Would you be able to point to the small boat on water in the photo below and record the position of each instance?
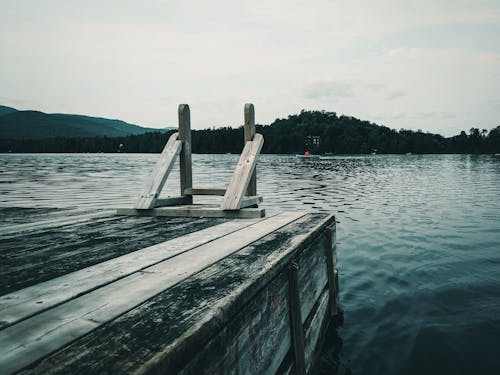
(311, 157)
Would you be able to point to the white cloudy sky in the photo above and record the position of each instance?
(417, 64)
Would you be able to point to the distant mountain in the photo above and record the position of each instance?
(16, 124)
(6, 110)
(291, 135)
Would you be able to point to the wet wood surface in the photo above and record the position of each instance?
(21, 304)
(229, 309)
(51, 252)
(29, 339)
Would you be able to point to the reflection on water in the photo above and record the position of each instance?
(418, 240)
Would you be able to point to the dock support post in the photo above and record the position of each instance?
(330, 269)
(249, 134)
(296, 320)
(186, 171)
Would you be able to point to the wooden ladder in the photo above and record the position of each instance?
(240, 199)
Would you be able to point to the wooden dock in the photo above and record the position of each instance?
(240, 199)
(138, 293)
(251, 296)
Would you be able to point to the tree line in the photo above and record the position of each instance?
(337, 135)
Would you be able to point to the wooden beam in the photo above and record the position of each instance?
(296, 320)
(336, 278)
(330, 269)
(31, 339)
(195, 211)
(315, 332)
(173, 201)
(217, 316)
(249, 132)
(242, 174)
(204, 191)
(23, 303)
(251, 201)
(152, 188)
(19, 229)
(186, 171)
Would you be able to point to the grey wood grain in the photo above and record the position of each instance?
(39, 335)
(153, 186)
(45, 224)
(313, 276)
(314, 330)
(296, 320)
(249, 133)
(185, 162)
(251, 201)
(57, 251)
(173, 201)
(241, 177)
(198, 318)
(205, 191)
(26, 302)
(195, 211)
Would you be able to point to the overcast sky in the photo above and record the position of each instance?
(428, 64)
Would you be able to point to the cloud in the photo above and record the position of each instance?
(373, 86)
(19, 103)
(139, 62)
(398, 116)
(414, 116)
(445, 55)
(425, 115)
(389, 116)
(450, 115)
(395, 94)
(339, 89)
(424, 53)
(328, 89)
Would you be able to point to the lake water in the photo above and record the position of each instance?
(418, 240)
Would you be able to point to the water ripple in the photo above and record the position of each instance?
(418, 240)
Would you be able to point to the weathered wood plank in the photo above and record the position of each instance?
(251, 201)
(330, 264)
(33, 338)
(312, 282)
(167, 331)
(249, 133)
(296, 321)
(44, 224)
(242, 174)
(186, 173)
(196, 211)
(316, 326)
(45, 255)
(205, 191)
(173, 201)
(151, 190)
(312, 275)
(255, 341)
(26, 302)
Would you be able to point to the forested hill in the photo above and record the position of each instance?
(337, 135)
(347, 135)
(6, 110)
(16, 124)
